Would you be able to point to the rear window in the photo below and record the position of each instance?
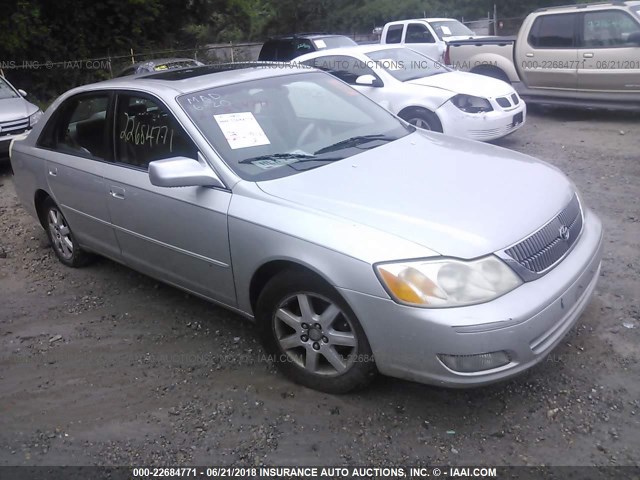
(333, 42)
(553, 31)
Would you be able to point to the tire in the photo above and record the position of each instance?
(422, 118)
(330, 354)
(493, 73)
(61, 238)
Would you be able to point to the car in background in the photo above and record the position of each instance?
(356, 242)
(424, 92)
(17, 115)
(288, 47)
(159, 65)
(428, 36)
(585, 55)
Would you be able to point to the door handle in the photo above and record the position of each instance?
(116, 192)
(587, 55)
(529, 54)
(53, 171)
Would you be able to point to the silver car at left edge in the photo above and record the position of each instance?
(17, 116)
(358, 243)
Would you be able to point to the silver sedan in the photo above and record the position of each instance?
(357, 243)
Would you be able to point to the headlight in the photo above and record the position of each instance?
(471, 104)
(33, 119)
(447, 282)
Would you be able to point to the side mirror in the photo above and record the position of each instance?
(22, 92)
(182, 172)
(368, 81)
(634, 38)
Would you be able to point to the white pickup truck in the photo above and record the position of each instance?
(582, 55)
(428, 36)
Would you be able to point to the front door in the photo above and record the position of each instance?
(610, 52)
(178, 235)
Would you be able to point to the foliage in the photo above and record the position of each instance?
(43, 30)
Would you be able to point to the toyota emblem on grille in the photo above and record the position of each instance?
(565, 233)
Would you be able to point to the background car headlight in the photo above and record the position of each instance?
(33, 119)
(471, 104)
(447, 282)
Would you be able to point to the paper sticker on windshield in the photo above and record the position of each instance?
(320, 44)
(241, 130)
(445, 30)
(273, 163)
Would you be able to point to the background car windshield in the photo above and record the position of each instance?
(333, 42)
(6, 91)
(405, 64)
(275, 127)
(451, 28)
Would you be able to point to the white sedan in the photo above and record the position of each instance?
(424, 92)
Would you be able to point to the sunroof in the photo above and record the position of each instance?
(184, 73)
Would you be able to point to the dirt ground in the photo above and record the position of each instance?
(103, 366)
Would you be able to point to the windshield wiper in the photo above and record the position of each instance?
(282, 156)
(354, 142)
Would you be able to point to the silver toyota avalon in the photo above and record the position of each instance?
(356, 242)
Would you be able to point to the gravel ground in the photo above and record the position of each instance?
(103, 366)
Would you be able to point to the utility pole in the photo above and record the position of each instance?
(495, 19)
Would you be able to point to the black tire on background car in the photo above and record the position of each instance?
(422, 118)
(62, 241)
(312, 335)
(493, 72)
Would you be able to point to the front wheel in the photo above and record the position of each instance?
(422, 118)
(312, 335)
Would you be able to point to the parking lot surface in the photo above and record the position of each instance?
(103, 366)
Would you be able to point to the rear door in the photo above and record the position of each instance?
(549, 56)
(609, 52)
(75, 145)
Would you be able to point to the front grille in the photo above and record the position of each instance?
(503, 102)
(551, 243)
(515, 99)
(14, 127)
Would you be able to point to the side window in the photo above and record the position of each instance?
(418, 33)
(347, 69)
(394, 34)
(80, 128)
(609, 28)
(553, 31)
(146, 131)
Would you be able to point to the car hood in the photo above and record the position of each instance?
(466, 83)
(15, 109)
(456, 197)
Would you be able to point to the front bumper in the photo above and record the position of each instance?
(5, 143)
(527, 322)
(481, 126)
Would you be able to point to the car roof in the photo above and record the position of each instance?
(587, 6)
(194, 79)
(311, 36)
(355, 50)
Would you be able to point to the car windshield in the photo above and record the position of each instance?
(280, 126)
(451, 28)
(333, 42)
(6, 91)
(405, 64)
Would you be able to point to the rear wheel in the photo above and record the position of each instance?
(422, 118)
(312, 335)
(64, 245)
